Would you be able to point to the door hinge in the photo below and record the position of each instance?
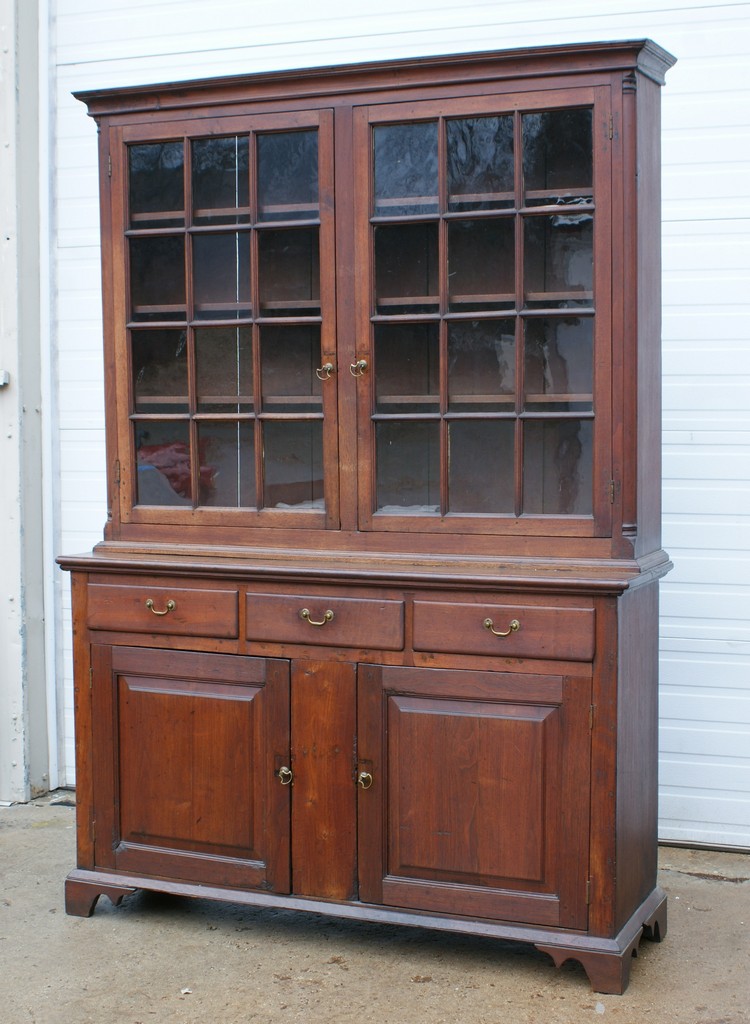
(109, 163)
(91, 679)
(588, 892)
(611, 127)
(612, 489)
(117, 471)
(93, 830)
(591, 717)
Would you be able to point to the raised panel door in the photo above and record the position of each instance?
(479, 795)
(188, 750)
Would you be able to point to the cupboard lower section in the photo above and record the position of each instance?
(473, 799)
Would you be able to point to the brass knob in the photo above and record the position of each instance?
(514, 626)
(358, 369)
(324, 372)
(305, 614)
(285, 775)
(364, 779)
(170, 607)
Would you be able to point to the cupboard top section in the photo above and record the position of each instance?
(385, 78)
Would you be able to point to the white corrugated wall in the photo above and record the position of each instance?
(705, 669)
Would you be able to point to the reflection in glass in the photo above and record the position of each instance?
(408, 466)
(293, 460)
(288, 176)
(157, 278)
(156, 186)
(160, 371)
(406, 268)
(558, 366)
(289, 357)
(289, 272)
(406, 169)
(221, 276)
(481, 258)
(480, 471)
(481, 365)
(407, 368)
(557, 467)
(221, 187)
(227, 464)
(224, 369)
(558, 260)
(480, 163)
(163, 459)
(557, 155)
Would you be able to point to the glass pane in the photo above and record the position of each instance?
(157, 278)
(288, 176)
(224, 369)
(407, 368)
(406, 268)
(406, 169)
(157, 190)
(227, 464)
(558, 364)
(558, 261)
(289, 270)
(163, 456)
(481, 261)
(160, 371)
(480, 469)
(221, 276)
(557, 156)
(481, 365)
(480, 163)
(221, 186)
(289, 358)
(557, 467)
(293, 460)
(408, 467)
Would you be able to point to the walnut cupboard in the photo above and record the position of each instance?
(372, 628)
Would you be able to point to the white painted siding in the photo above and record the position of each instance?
(705, 673)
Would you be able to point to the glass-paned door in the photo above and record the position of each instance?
(485, 332)
(228, 317)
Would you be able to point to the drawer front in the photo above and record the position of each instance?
(521, 631)
(164, 609)
(326, 619)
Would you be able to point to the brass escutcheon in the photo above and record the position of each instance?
(358, 369)
(285, 775)
(364, 779)
(170, 607)
(515, 625)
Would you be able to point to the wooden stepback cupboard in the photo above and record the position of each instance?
(372, 631)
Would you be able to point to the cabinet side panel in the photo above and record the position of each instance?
(649, 317)
(84, 732)
(637, 752)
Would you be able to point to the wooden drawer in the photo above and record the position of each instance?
(164, 609)
(563, 633)
(326, 619)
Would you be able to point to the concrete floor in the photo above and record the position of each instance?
(165, 960)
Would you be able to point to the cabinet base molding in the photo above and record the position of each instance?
(606, 961)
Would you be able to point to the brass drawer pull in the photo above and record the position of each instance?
(324, 372)
(358, 369)
(285, 775)
(305, 614)
(170, 607)
(364, 779)
(515, 625)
